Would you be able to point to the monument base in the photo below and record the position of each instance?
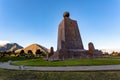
(74, 54)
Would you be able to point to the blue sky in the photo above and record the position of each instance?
(36, 21)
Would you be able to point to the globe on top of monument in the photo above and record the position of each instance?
(69, 44)
(66, 14)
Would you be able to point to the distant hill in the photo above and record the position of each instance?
(9, 47)
(33, 48)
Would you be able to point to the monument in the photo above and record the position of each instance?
(69, 45)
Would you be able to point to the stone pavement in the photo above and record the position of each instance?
(6, 65)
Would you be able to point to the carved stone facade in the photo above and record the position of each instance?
(70, 44)
(68, 35)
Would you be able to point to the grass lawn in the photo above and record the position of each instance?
(79, 62)
(38, 75)
(14, 58)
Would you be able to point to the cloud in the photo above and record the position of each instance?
(2, 43)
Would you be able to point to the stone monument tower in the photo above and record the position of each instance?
(69, 38)
(68, 34)
(69, 45)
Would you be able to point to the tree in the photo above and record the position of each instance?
(38, 52)
(22, 53)
(1, 54)
(30, 53)
(15, 54)
(9, 53)
(43, 54)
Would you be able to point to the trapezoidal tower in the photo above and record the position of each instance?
(69, 39)
(68, 34)
(69, 45)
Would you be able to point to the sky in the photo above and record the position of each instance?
(36, 21)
